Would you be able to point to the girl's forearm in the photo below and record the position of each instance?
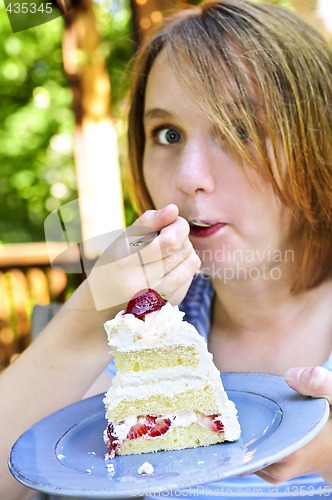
(54, 371)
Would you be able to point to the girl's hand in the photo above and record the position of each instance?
(167, 264)
(170, 261)
(316, 456)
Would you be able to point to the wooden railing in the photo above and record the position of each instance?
(26, 279)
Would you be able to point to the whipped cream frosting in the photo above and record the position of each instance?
(162, 328)
(127, 333)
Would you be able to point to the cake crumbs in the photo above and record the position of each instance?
(145, 468)
(110, 467)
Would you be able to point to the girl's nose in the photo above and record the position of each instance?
(195, 169)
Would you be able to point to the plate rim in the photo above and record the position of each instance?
(250, 385)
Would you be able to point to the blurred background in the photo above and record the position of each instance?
(63, 87)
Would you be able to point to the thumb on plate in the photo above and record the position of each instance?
(313, 381)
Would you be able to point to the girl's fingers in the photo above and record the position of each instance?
(175, 297)
(175, 283)
(173, 270)
(170, 242)
(158, 219)
(174, 260)
(313, 381)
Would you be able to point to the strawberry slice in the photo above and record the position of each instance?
(148, 301)
(211, 422)
(140, 429)
(149, 426)
(161, 427)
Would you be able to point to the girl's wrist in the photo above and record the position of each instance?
(82, 301)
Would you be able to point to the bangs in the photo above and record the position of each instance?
(222, 79)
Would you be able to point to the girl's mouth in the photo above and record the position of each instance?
(201, 229)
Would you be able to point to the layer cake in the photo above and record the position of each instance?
(167, 393)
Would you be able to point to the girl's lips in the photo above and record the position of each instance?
(200, 231)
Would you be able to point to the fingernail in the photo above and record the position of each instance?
(318, 377)
(293, 375)
(162, 211)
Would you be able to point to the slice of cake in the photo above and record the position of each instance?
(167, 393)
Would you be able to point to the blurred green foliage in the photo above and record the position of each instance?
(37, 121)
(36, 124)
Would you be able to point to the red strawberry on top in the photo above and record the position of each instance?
(147, 301)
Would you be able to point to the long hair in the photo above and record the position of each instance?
(258, 72)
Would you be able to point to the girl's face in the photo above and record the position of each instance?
(238, 228)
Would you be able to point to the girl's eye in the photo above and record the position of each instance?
(167, 136)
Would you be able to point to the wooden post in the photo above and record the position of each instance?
(96, 153)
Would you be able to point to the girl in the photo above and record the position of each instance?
(231, 120)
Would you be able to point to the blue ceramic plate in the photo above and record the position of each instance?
(63, 454)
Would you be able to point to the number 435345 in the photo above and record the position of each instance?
(29, 8)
